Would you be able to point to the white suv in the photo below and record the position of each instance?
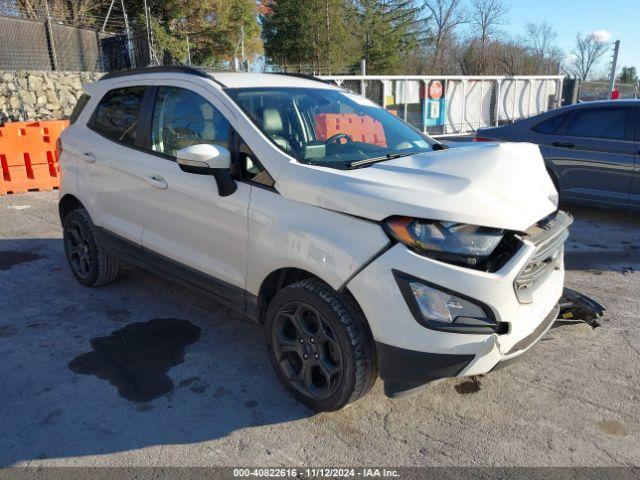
(362, 246)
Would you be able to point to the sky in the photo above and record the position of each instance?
(615, 19)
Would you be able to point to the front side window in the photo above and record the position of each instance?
(182, 118)
(117, 114)
(608, 123)
(329, 127)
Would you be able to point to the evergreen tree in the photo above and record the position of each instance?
(388, 30)
(310, 35)
(215, 28)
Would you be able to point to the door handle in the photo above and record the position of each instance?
(563, 144)
(89, 157)
(157, 181)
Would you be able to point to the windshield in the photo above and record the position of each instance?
(329, 127)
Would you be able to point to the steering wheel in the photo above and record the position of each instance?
(336, 137)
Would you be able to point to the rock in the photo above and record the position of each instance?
(14, 102)
(41, 95)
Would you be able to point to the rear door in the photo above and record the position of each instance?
(593, 153)
(634, 194)
(111, 180)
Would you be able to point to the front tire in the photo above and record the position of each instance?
(319, 345)
(85, 251)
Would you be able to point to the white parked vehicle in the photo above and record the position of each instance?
(364, 247)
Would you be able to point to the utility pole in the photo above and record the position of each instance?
(614, 64)
(188, 50)
(242, 45)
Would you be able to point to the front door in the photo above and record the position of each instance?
(594, 153)
(186, 220)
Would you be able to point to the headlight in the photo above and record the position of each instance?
(448, 241)
(440, 309)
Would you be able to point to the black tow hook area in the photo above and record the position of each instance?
(574, 306)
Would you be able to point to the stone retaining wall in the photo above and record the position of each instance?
(31, 95)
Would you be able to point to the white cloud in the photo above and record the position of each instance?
(602, 35)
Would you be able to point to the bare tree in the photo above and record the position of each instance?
(486, 16)
(540, 43)
(540, 38)
(445, 16)
(588, 50)
(86, 13)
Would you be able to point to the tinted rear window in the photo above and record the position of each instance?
(116, 115)
(77, 110)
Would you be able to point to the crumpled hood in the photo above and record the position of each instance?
(502, 185)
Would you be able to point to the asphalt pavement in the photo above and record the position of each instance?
(210, 397)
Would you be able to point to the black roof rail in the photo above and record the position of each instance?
(304, 75)
(155, 69)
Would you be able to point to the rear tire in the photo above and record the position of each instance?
(85, 251)
(319, 345)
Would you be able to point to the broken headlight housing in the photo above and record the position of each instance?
(457, 243)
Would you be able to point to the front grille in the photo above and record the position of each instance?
(548, 236)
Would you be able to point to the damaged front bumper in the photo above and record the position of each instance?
(407, 371)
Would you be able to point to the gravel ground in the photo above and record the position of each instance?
(573, 400)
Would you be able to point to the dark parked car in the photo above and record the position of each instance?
(592, 150)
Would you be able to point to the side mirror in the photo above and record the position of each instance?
(206, 159)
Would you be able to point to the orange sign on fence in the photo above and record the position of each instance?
(28, 158)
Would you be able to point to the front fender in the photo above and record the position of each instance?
(288, 234)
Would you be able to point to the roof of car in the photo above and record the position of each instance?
(248, 80)
(228, 79)
(601, 103)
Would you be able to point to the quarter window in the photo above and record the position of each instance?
(182, 118)
(117, 114)
(551, 125)
(609, 123)
(77, 110)
(251, 168)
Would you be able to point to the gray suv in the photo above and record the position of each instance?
(592, 150)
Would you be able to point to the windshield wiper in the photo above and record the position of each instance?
(369, 161)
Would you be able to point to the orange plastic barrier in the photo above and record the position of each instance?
(28, 157)
(361, 128)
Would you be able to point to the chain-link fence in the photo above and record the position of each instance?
(107, 35)
(600, 91)
(48, 35)
(457, 105)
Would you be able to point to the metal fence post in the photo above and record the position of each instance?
(127, 31)
(481, 103)
(515, 98)
(464, 105)
(52, 45)
(498, 93)
(404, 95)
(425, 105)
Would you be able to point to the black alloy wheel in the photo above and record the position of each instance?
(320, 345)
(77, 246)
(307, 350)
